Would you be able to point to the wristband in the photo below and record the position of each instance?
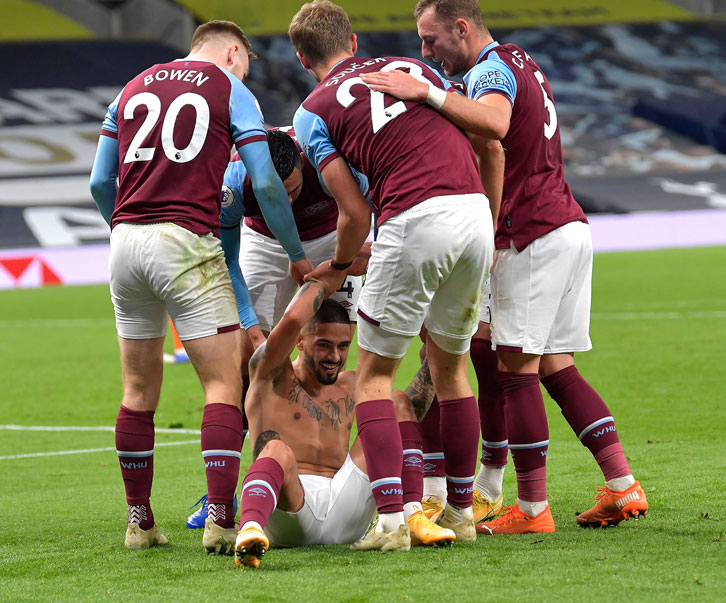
(339, 266)
(436, 96)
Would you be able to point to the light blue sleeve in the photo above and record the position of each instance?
(110, 121)
(233, 206)
(230, 245)
(445, 84)
(488, 76)
(272, 197)
(314, 138)
(245, 116)
(104, 174)
(360, 179)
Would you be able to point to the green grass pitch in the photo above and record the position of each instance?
(658, 329)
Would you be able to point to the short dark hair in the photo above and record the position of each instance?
(216, 28)
(284, 152)
(451, 10)
(319, 30)
(330, 312)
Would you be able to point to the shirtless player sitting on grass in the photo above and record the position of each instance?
(306, 486)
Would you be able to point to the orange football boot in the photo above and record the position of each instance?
(250, 547)
(614, 506)
(514, 521)
(432, 507)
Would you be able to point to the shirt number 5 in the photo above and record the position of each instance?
(551, 127)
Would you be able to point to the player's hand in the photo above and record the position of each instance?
(327, 276)
(397, 83)
(360, 262)
(423, 334)
(256, 336)
(299, 269)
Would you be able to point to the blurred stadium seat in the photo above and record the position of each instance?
(26, 21)
(618, 69)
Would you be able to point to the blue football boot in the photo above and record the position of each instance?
(196, 520)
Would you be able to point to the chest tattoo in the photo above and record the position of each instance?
(330, 412)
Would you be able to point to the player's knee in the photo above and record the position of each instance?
(281, 452)
(274, 447)
(261, 442)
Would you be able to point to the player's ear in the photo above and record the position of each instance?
(299, 342)
(461, 27)
(353, 43)
(231, 54)
(303, 61)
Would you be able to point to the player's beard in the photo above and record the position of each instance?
(324, 377)
(454, 67)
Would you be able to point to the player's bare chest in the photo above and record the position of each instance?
(333, 410)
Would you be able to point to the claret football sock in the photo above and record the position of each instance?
(260, 491)
(221, 449)
(528, 433)
(412, 470)
(383, 450)
(590, 419)
(135, 450)
(459, 436)
(434, 473)
(432, 449)
(491, 404)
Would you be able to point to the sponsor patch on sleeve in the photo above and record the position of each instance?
(492, 79)
(227, 196)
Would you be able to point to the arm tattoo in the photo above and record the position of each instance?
(258, 356)
(421, 391)
(261, 442)
(276, 377)
(319, 299)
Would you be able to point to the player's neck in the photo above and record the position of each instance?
(321, 70)
(306, 377)
(201, 58)
(477, 45)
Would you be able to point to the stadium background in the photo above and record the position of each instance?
(640, 89)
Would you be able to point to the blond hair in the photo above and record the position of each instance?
(221, 29)
(451, 10)
(319, 30)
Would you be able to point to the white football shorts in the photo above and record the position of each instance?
(541, 295)
(485, 313)
(161, 270)
(428, 266)
(266, 271)
(337, 510)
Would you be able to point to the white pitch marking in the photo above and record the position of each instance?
(657, 315)
(97, 322)
(60, 322)
(65, 452)
(89, 428)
